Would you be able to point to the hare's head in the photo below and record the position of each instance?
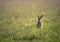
(39, 17)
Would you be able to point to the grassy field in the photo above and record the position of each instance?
(18, 22)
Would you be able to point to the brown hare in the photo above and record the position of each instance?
(39, 22)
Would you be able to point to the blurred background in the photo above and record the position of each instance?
(18, 19)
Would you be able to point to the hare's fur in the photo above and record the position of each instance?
(39, 22)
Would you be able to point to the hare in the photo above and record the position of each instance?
(39, 22)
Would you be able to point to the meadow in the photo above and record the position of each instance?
(18, 22)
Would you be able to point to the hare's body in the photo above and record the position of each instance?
(39, 22)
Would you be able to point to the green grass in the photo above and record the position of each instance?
(18, 23)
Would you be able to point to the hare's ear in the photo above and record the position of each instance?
(37, 16)
(40, 16)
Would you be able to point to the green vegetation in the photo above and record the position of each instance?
(18, 22)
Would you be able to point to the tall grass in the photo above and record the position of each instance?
(18, 23)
